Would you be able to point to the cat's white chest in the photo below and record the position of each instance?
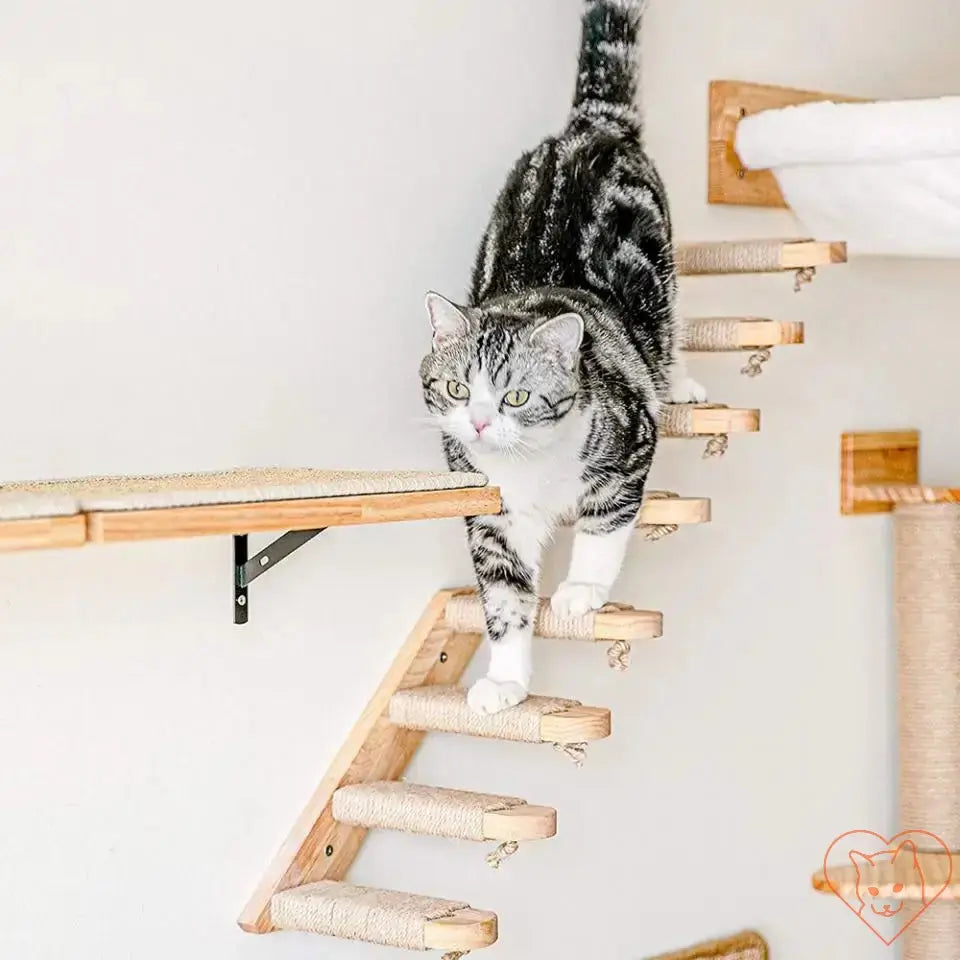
(547, 485)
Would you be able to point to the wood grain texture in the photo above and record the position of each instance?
(43, 533)
(527, 822)
(374, 750)
(575, 725)
(878, 457)
(730, 101)
(466, 930)
(751, 332)
(221, 519)
(678, 510)
(937, 870)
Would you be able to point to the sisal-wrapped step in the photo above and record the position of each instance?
(757, 256)
(721, 334)
(937, 869)
(706, 420)
(536, 720)
(438, 812)
(464, 613)
(383, 916)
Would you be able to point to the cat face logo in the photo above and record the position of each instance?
(903, 863)
(886, 878)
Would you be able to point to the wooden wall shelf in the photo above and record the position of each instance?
(879, 470)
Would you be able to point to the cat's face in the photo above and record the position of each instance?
(500, 385)
(885, 904)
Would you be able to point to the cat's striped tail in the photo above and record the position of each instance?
(609, 58)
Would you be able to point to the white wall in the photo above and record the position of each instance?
(216, 225)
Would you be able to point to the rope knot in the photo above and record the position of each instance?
(804, 275)
(506, 849)
(716, 446)
(576, 752)
(618, 656)
(755, 364)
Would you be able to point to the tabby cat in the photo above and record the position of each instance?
(550, 379)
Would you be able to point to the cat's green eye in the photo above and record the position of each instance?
(516, 398)
(458, 390)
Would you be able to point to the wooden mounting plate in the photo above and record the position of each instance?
(730, 101)
(884, 457)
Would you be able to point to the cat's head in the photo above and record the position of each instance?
(869, 894)
(500, 383)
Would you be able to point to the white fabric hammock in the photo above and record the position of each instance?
(883, 176)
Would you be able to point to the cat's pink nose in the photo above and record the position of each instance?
(480, 425)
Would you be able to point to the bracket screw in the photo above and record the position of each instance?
(329, 850)
(264, 561)
(443, 657)
(241, 601)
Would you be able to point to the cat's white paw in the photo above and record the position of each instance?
(577, 599)
(491, 696)
(687, 390)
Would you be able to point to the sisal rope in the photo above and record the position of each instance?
(465, 614)
(754, 365)
(230, 486)
(676, 420)
(657, 531)
(506, 850)
(746, 256)
(927, 591)
(359, 913)
(712, 334)
(414, 808)
(445, 709)
(743, 946)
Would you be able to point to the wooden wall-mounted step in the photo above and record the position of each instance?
(662, 509)
(720, 334)
(706, 420)
(384, 917)
(757, 256)
(464, 613)
(536, 720)
(438, 812)
(895, 879)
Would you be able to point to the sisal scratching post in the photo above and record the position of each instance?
(927, 590)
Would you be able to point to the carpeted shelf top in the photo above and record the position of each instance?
(52, 498)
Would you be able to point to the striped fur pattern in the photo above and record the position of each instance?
(550, 379)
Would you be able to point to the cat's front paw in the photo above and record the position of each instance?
(491, 696)
(687, 390)
(577, 599)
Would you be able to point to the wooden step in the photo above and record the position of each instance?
(464, 613)
(937, 869)
(384, 917)
(757, 256)
(662, 509)
(719, 334)
(706, 420)
(438, 812)
(536, 720)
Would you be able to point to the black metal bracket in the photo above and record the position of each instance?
(246, 569)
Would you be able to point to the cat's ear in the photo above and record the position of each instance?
(562, 335)
(447, 320)
(907, 847)
(859, 860)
